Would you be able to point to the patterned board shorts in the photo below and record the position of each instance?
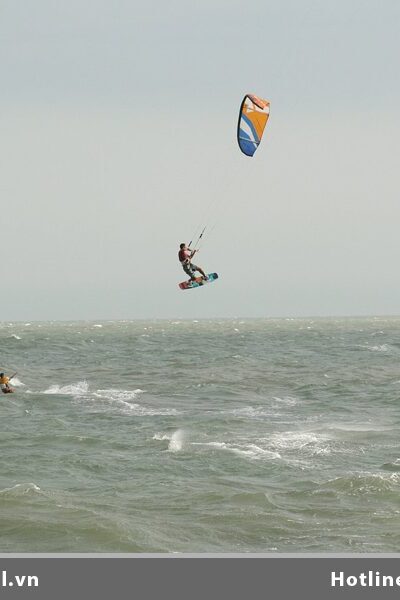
(190, 269)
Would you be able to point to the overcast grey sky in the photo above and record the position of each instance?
(118, 140)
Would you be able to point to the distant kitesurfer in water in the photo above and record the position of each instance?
(5, 388)
(185, 258)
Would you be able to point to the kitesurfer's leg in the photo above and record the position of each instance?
(200, 270)
(189, 272)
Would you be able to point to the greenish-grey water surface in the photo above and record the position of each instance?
(268, 435)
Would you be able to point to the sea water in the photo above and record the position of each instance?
(269, 435)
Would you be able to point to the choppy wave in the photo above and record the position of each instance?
(365, 483)
(113, 399)
(287, 400)
(248, 450)
(300, 441)
(124, 401)
(20, 489)
(250, 412)
(392, 466)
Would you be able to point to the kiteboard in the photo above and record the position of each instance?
(198, 282)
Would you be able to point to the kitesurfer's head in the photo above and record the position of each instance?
(181, 246)
(1, 374)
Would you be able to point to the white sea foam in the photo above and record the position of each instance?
(15, 336)
(288, 400)
(20, 489)
(161, 437)
(212, 444)
(254, 451)
(125, 402)
(364, 482)
(245, 450)
(379, 348)
(75, 389)
(261, 412)
(251, 412)
(295, 440)
(353, 427)
(118, 394)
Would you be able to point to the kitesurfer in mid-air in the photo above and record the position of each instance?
(185, 258)
(5, 388)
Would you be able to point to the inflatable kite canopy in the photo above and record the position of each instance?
(253, 117)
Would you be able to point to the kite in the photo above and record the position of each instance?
(253, 117)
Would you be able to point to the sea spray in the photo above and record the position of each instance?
(176, 441)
